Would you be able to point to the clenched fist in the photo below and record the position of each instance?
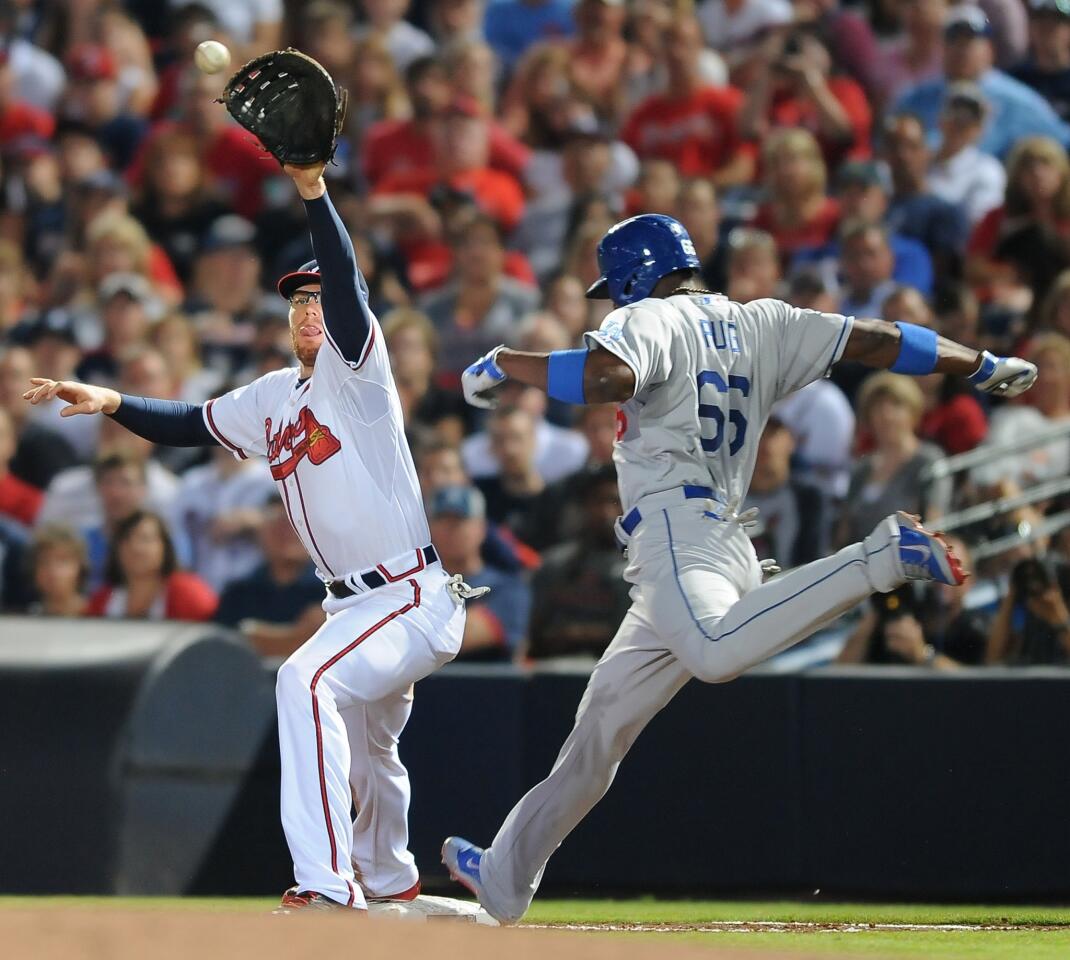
(82, 397)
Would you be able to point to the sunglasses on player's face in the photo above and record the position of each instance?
(304, 297)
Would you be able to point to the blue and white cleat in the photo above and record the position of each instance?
(927, 556)
(462, 860)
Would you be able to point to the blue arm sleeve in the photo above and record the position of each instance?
(170, 422)
(346, 316)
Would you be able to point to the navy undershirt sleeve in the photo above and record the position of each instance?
(345, 295)
(170, 422)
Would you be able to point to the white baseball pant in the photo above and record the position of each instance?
(699, 610)
(343, 699)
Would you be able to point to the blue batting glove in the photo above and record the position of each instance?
(1003, 376)
(479, 379)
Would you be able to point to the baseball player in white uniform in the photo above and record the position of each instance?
(333, 434)
(695, 376)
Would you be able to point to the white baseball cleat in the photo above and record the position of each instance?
(463, 859)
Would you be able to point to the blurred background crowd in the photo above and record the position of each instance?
(896, 158)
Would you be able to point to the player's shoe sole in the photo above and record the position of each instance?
(925, 555)
(462, 859)
(308, 901)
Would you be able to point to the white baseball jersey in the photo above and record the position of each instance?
(337, 450)
(707, 373)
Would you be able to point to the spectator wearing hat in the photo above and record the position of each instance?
(579, 595)
(402, 146)
(40, 453)
(693, 125)
(277, 603)
(56, 353)
(794, 519)
(95, 98)
(128, 308)
(19, 119)
(224, 294)
(1047, 69)
(1016, 111)
(497, 623)
(512, 26)
(797, 89)
(913, 210)
(864, 199)
(960, 173)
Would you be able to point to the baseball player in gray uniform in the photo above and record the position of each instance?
(696, 376)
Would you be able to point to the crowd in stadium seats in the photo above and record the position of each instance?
(905, 159)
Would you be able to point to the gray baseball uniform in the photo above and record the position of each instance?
(707, 373)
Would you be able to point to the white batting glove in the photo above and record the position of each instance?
(1003, 376)
(479, 379)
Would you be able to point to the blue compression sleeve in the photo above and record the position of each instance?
(564, 375)
(170, 422)
(345, 295)
(917, 350)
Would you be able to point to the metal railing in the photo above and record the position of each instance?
(978, 513)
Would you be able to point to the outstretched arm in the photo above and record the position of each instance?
(907, 348)
(346, 318)
(605, 378)
(170, 422)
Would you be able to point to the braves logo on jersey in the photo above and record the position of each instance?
(304, 437)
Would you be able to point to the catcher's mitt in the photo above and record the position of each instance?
(291, 103)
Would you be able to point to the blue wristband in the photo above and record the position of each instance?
(564, 375)
(989, 362)
(917, 350)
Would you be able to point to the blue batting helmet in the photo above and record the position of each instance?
(635, 254)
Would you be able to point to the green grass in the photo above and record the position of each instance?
(1018, 944)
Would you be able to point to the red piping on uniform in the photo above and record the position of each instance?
(219, 436)
(391, 578)
(412, 604)
(308, 526)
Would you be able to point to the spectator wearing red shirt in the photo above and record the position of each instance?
(19, 119)
(795, 90)
(18, 500)
(796, 210)
(144, 581)
(403, 146)
(237, 165)
(462, 148)
(691, 124)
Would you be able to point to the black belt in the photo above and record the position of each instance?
(373, 579)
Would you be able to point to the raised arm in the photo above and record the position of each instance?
(170, 422)
(346, 317)
(907, 348)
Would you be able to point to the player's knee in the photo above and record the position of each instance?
(292, 679)
(718, 666)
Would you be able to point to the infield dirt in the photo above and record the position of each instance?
(93, 933)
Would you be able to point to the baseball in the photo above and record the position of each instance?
(211, 56)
